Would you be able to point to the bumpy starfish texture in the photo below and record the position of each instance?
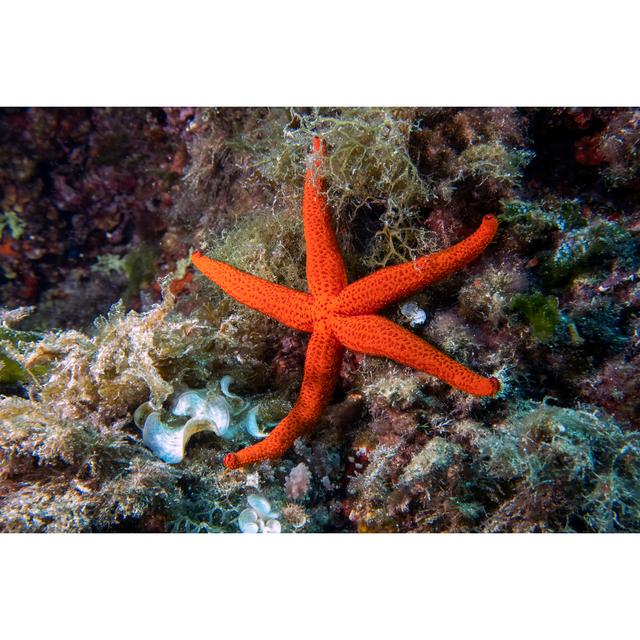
(339, 315)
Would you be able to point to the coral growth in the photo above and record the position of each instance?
(297, 482)
(543, 468)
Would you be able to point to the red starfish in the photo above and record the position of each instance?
(339, 315)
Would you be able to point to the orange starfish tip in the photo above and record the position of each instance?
(494, 386)
(231, 461)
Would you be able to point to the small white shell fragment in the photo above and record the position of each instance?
(238, 407)
(141, 414)
(169, 443)
(224, 387)
(248, 521)
(165, 442)
(272, 526)
(251, 424)
(413, 313)
(262, 506)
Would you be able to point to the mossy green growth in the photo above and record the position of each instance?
(532, 221)
(400, 239)
(13, 345)
(588, 247)
(109, 263)
(10, 370)
(437, 455)
(541, 312)
(540, 468)
(268, 244)
(67, 462)
(10, 220)
(496, 161)
(368, 160)
(586, 453)
(141, 267)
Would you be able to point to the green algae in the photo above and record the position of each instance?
(400, 239)
(540, 468)
(141, 267)
(596, 463)
(109, 263)
(84, 469)
(268, 244)
(11, 220)
(14, 345)
(496, 161)
(602, 325)
(541, 312)
(582, 245)
(368, 162)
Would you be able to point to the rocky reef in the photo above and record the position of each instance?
(104, 322)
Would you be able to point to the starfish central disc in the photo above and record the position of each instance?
(322, 308)
(340, 316)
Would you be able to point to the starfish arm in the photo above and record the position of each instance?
(321, 370)
(372, 293)
(326, 274)
(377, 336)
(288, 306)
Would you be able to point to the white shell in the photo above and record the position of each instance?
(191, 403)
(262, 506)
(248, 521)
(413, 313)
(241, 404)
(272, 526)
(196, 405)
(169, 443)
(224, 387)
(218, 411)
(251, 424)
(258, 517)
(141, 414)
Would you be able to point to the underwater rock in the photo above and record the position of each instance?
(554, 306)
